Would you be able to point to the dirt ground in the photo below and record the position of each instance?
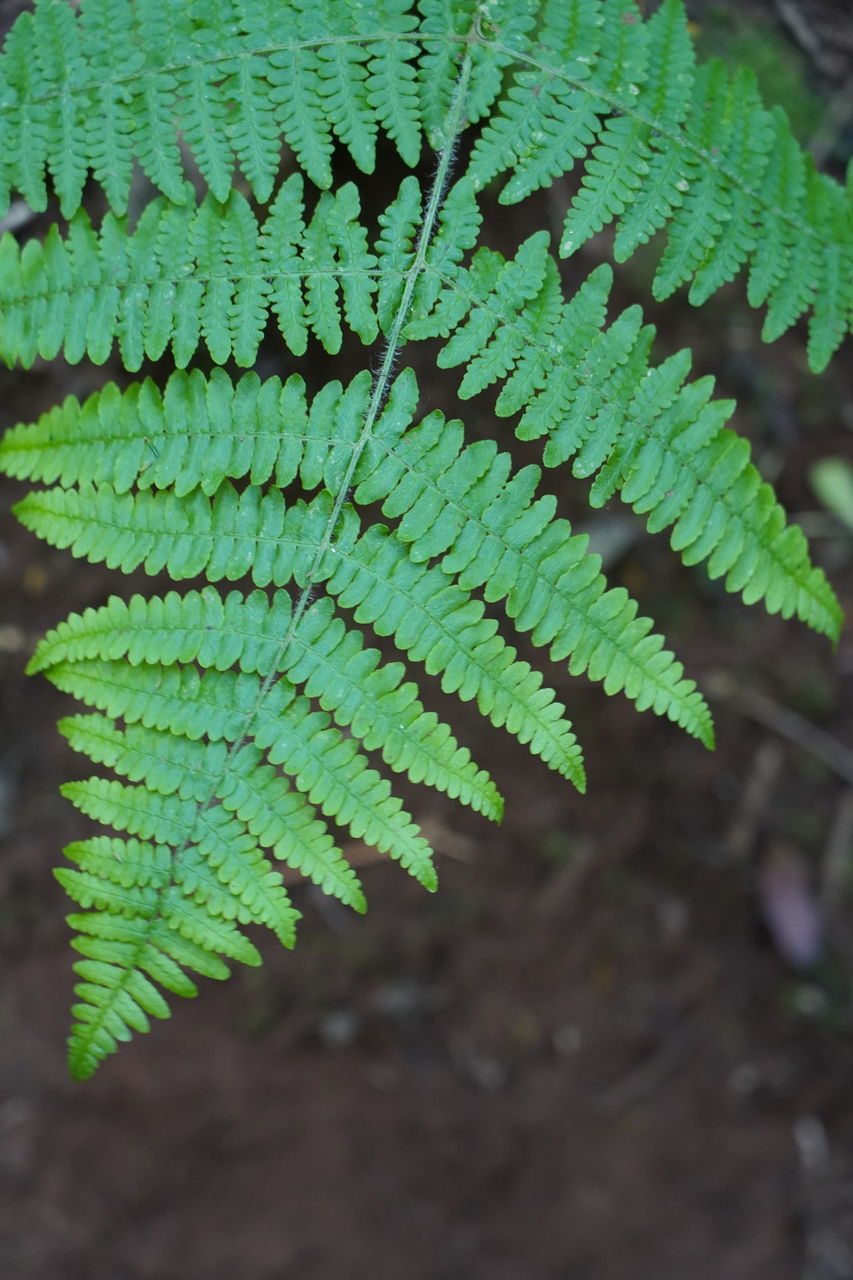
(602, 1051)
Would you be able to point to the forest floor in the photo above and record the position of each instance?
(599, 1052)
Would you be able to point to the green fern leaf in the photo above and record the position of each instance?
(144, 923)
(325, 658)
(278, 817)
(255, 893)
(492, 536)
(392, 88)
(189, 275)
(544, 121)
(650, 436)
(241, 725)
(326, 766)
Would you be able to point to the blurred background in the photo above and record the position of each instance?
(618, 1043)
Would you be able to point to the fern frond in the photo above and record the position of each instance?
(650, 436)
(544, 123)
(663, 145)
(241, 724)
(542, 570)
(197, 433)
(462, 504)
(187, 276)
(438, 624)
(428, 616)
(278, 817)
(488, 533)
(668, 147)
(248, 888)
(328, 767)
(241, 80)
(145, 922)
(323, 656)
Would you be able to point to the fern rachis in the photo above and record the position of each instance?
(240, 717)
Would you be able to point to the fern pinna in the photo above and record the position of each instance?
(237, 718)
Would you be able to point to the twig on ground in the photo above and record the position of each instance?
(641, 1083)
(807, 38)
(755, 799)
(788, 724)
